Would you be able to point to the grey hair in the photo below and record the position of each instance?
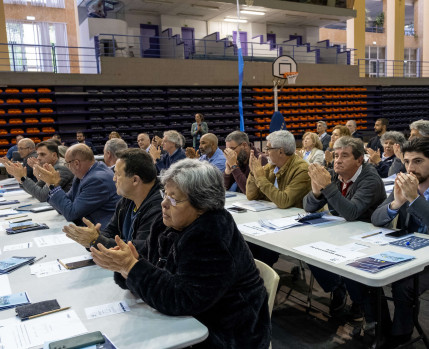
(356, 144)
(28, 143)
(353, 122)
(115, 145)
(422, 126)
(284, 140)
(174, 137)
(238, 137)
(323, 123)
(200, 181)
(397, 137)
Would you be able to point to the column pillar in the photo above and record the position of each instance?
(395, 21)
(423, 35)
(4, 50)
(356, 36)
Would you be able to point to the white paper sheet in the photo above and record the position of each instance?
(254, 228)
(47, 269)
(17, 246)
(4, 285)
(255, 205)
(378, 239)
(76, 259)
(329, 252)
(8, 181)
(34, 332)
(53, 240)
(13, 193)
(106, 310)
(8, 212)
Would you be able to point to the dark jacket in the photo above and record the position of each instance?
(375, 144)
(146, 214)
(357, 134)
(29, 168)
(93, 197)
(383, 166)
(40, 190)
(166, 160)
(416, 214)
(240, 174)
(396, 167)
(206, 273)
(325, 141)
(362, 197)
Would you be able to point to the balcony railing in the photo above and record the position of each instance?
(379, 68)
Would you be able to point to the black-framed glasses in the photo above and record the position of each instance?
(269, 148)
(173, 201)
(233, 148)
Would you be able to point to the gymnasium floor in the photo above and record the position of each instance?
(294, 328)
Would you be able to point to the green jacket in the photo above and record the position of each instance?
(292, 179)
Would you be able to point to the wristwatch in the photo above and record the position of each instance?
(233, 167)
(52, 187)
(23, 179)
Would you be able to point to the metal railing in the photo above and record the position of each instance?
(112, 45)
(48, 58)
(379, 68)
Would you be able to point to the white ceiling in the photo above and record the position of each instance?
(280, 12)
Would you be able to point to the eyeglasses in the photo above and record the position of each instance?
(173, 202)
(233, 148)
(67, 163)
(269, 148)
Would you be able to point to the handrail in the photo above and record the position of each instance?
(380, 68)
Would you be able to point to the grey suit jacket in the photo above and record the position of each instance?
(40, 190)
(410, 217)
(362, 198)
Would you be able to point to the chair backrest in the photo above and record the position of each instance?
(271, 281)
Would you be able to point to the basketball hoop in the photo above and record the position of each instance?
(291, 77)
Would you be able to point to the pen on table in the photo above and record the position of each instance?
(38, 259)
(24, 206)
(45, 313)
(367, 236)
(16, 217)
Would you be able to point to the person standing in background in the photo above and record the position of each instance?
(198, 129)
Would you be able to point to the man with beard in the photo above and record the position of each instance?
(380, 129)
(210, 152)
(284, 181)
(237, 153)
(409, 201)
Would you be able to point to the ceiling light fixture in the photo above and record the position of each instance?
(207, 7)
(188, 15)
(235, 20)
(31, 18)
(256, 13)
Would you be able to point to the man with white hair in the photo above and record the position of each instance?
(323, 136)
(143, 140)
(172, 145)
(419, 128)
(351, 125)
(111, 149)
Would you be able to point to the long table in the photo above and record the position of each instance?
(142, 327)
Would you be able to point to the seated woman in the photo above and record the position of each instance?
(383, 162)
(312, 149)
(196, 262)
(337, 132)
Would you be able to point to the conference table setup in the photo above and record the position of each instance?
(334, 244)
(96, 302)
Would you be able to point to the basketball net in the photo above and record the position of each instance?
(291, 77)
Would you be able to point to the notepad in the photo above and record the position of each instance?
(412, 243)
(12, 263)
(376, 263)
(13, 300)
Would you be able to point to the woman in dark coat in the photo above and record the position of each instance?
(196, 262)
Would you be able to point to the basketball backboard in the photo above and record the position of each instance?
(284, 64)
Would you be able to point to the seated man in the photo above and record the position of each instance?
(237, 153)
(47, 153)
(409, 201)
(14, 148)
(81, 139)
(93, 192)
(27, 150)
(111, 149)
(284, 181)
(210, 152)
(172, 145)
(136, 182)
(351, 125)
(380, 128)
(323, 136)
(143, 141)
(353, 191)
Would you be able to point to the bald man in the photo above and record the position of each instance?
(143, 141)
(93, 192)
(210, 152)
(26, 150)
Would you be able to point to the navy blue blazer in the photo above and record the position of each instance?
(93, 197)
(166, 160)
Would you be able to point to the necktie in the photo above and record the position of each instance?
(345, 188)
